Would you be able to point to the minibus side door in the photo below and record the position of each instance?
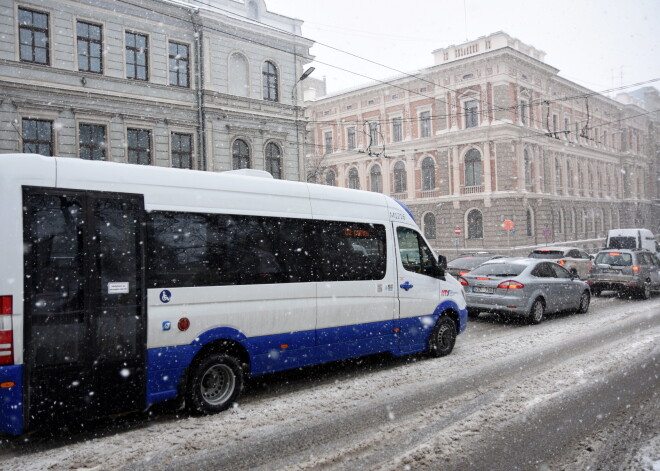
(418, 290)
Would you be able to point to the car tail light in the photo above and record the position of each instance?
(562, 262)
(6, 332)
(511, 284)
(463, 281)
(483, 278)
(614, 254)
(463, 272)
(635, 268)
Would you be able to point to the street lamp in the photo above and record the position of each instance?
(294, 100)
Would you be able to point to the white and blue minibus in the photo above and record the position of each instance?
(124, 285)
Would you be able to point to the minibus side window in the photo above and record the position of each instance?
(415, 255)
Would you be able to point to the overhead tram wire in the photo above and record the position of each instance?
(458, 114)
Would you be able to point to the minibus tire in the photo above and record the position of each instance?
(443, 337)
(214, 383)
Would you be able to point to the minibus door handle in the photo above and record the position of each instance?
(406, 285)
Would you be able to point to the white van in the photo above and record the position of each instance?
(133, 285)
(632, 239)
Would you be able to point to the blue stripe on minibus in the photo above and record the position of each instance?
(11, 400)
(167, 365)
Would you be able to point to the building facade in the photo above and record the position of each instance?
(491, 133)
(190, 84)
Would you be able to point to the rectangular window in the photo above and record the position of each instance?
(397, 130)
(37, 136)
(90, 47)
(223, 249)
(328, 142)
(471, 114)
(137, 55)
(33, 36)
(425, 123)
(555, 124)
(181, 150)
(373, 134)
(350, 134)
(523, 113)
(139, 146)
(179, 65)
(91, 140)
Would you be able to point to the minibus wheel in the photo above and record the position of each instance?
(443, 337)
(214, 384)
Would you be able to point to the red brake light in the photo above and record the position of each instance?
(561, 262)
(511, 284)
(483, 278)
(6, 331)
(463, 272)
(614, 254)
(463, 281)
(635, 268)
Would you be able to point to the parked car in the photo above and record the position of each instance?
(469, 261)
(524, 287)
(574, 259)
(635, 271)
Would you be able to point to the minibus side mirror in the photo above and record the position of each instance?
(442, 262)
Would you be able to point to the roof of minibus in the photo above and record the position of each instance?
(202, 191)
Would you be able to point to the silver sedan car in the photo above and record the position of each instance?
(524, 287)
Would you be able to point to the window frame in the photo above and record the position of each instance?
(38, 142)
(177, 68)
(270, 81)
(139, 150)
(32, 29)
(474, 170)
(376, 177)
(397, 129)
(425, 128)
(471, 110)
(176, 154)
(88, 41)
(474, 224)
(238, 156)
(273, 161)
(428, 174)
(135, 51)
(400, 175)
(92, 146)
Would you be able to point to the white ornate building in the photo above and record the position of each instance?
(487, 134)
(193, 84)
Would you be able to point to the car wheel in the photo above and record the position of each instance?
(473, 313)
(536, 312)
(443, 337)
(215, 382)
(585, 300)
(645, 291)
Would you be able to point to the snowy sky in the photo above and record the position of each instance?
(600, 44)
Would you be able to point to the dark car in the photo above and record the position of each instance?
(467, 262)
(625, 271)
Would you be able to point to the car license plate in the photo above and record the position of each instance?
(611, 270)
(483, 289)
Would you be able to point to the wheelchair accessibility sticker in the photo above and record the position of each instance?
(165, 296)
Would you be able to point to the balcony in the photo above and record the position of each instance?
(399, 196)
(428, 193)
(470, 190)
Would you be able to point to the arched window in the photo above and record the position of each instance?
(253, 10)
(270, 82)
(528, 170)
(428, 174)
(530, 222)
(475, 225)
(274, 160)
(400, 177)
(376, 179)
(239, 76)
(353, 179)
(240, 153)
(429, 225)
(473, 168)
(330, 178)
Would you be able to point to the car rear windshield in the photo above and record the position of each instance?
(499, 269)
(623, 242)
(546, 254)
(467, 262)
(616, 259)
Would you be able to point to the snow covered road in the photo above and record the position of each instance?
(574, 392)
